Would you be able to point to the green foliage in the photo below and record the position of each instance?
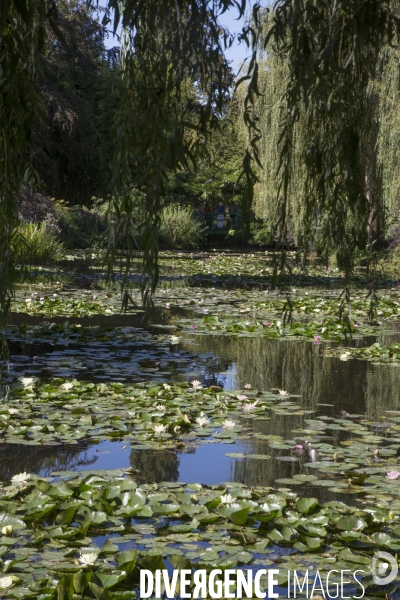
(37, 245)
(321, 61)
(178, 228)
(79, 87)
(216, 176)
(80, 227)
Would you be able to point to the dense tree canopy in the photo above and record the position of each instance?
(79, 86)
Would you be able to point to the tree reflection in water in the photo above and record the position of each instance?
(155, 465)
(17, 458)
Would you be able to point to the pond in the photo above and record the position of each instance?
(140, 440)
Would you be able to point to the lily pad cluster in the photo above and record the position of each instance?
(66, 412)
(327, 329)
(377, 353)
(90, 535)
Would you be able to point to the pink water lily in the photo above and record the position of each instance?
(194, 326)
(241, 397)
(298, 449)
(250, 406)
(392, 475)
(267, 324)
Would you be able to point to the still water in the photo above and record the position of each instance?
(325, 386)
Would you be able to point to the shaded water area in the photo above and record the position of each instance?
(325, 386)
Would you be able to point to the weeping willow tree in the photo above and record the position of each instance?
(377, 138)
(328, 115)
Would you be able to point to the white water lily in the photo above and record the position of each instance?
(196, 384)
(13, 411)
(227, 499)
(67, 386)
(27, 382)
(228, 424)
(283, 393)
(166, 386)
(241, 397)
(7, 529)
(21, 478)
(161, 407)
(88, 558)
(247, 386)
(174, 339)
(160, 428)
(345, 356)
(202, 421)
(5, 582)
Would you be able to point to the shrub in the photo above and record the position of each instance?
(79, 227)
(179, 229)
(35, 244)
(33, 207)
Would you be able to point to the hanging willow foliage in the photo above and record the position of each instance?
(176, 89)
(322, 57)
(22, 35)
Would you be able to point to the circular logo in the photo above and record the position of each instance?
(384, 568)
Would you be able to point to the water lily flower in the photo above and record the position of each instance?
(7, 529)
(202, 421)
(194, 326)
(161, 407)
(343, 413)
(160, 428)
(250, 406)
(227, 499)
(228, 424)
(166, 386)
(392, 475)
(241, 397)
(214, 328)
(248, 386)
(5, 582)
(27, 382)
(345, 356)
(167, 305)
(196, 384)
(13, 411)
(67, 386)
(88, 558)
(283, 393)
(317, 340)
(267, 324)
(21, 478)
(174, 339)
(298, 449)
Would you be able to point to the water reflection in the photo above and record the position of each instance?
(301, 368)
